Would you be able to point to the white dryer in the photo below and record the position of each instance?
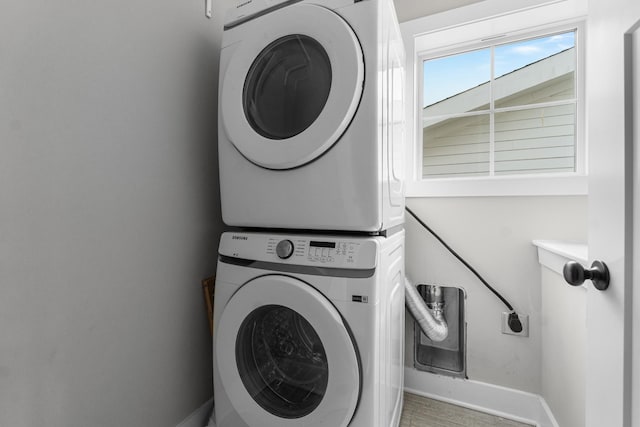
(309, 331)
(310, 115)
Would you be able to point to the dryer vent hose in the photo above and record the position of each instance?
(431, 321)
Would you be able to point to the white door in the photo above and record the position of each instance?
(609, 313)
(292, 86)
(285, 356)
(633, 39)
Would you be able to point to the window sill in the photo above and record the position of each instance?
(536, 185)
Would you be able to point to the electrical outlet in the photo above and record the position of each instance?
(524, 319)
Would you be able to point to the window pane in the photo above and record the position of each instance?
(537, 140)
(457, 83)
(534, 71)
(456, 147)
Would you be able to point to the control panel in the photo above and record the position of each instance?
(331, 252)
(321, 251)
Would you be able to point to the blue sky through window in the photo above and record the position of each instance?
(450, 75)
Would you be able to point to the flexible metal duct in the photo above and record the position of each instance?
(431, 321)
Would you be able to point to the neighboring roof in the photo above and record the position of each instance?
(531, 77)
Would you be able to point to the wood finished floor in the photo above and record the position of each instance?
(420, 411)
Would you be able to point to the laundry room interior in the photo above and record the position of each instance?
(130, 180)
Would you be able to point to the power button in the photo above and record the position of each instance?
(284, 249)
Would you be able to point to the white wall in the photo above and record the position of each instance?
(564, 335)
(411, 9)
(109, 212)
(494, 234)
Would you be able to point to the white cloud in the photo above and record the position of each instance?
(561, 41)
(559, 38)
(526, 49)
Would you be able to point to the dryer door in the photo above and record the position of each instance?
(286, 357)
(292, 86)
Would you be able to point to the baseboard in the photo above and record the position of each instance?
(199, 417)
(496, 400)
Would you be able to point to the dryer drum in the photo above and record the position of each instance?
(282, 362)
(287, 86)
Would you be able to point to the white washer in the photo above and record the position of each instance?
(311, 115)
(309, 331)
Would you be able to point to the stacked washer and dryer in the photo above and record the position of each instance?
(309, 308)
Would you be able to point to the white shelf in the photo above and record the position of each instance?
(554, 254)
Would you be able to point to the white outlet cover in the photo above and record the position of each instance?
(524, 319)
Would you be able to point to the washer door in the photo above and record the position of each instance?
(292, 86)
(285, 356)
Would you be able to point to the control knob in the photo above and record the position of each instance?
(284, 249)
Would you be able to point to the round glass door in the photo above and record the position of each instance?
(283, 360)
(287, 87)
(286, 357)
(290, 86)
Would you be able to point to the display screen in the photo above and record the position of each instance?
(317, 244)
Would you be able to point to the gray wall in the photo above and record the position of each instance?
(494, 235)
(109, 211)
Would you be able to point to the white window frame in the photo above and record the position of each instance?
(479, 25)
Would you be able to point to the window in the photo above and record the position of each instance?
(498, 113)
(505, 109)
